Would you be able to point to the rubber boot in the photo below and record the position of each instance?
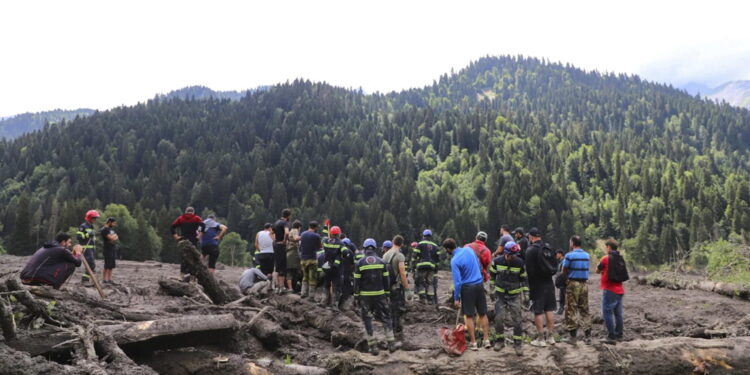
(305, 290)
(346, 304)
(326, 300)
(573, 339)
(517, 348)
(373, 346)
(499, 343)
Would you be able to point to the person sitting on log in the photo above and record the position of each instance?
(250, 277)
(53, 263)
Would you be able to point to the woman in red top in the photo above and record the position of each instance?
(612, 293)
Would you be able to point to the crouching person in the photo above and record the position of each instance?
(508, 276)
(371, 287)
(250, 277)
(53, 263)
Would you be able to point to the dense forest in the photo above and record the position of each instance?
(18, 125)
(510, 140)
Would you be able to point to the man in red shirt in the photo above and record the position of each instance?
(483, 253)
(612, 293)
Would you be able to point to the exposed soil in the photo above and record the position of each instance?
(296, 336)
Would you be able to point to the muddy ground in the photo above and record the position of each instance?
(665, 333)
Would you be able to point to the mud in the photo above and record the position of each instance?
(294, 333)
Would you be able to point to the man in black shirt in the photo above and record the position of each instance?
(53, 263)
(281, 233)
(542, 291)
(310, 243)
(110, 249)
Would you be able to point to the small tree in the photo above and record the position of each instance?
(233, 250)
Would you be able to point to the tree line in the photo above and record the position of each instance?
(506, 140)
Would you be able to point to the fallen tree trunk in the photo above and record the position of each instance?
(118, 361)
(672, 281)
(36, 309)
(210, 285)
(59, 295)
(45, 341)
(7, 322)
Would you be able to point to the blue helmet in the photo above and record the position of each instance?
(370, 243)
(387, 244)
(512, 248)
(346, 241)
(427, 233)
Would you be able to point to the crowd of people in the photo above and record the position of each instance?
(323, 265)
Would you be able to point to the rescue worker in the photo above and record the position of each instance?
(347, 272)
(387, 245)
(507, 276)
(332, 248)
(371, 286)
(321, 278)
(53, 263)
(86, 237)
(426, 258)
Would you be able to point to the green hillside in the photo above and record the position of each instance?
(505, 140)
(15, 126)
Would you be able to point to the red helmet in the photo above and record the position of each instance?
(92, 214)
(414, 244)
(335, 231)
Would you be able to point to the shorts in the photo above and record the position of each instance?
(473, 300)
(110, 253)
(213, 254)
(543, 298)
(264, 261)
(279, 253)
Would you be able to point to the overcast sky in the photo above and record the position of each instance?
(101, 54)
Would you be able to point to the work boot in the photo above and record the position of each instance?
(373, 346)
(587, 338)
(422, 298)
(560, 311)
(305, 288)
(346, 304)
(517, 348)
(326, 300)
(499, 344)
(393, 346)
(573, 340)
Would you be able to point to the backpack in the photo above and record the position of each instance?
(617, 271)
(393, 275)
(547, 260)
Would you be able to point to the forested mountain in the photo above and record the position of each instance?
(14, 126)
(506, 140)
(735, 93)
(203, 92)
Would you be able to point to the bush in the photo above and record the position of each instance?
(726, 261)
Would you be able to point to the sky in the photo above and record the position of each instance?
(101, 54)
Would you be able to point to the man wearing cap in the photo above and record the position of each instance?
(483, 253)
(110, 249)
(426, 258)
(542, 291)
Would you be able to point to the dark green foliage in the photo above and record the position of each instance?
(506, 140)
(21, 242)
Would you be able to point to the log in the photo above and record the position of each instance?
(206, 279)
(119, 362)
(36, 309)
(118, 313)
(177, 289)
(45, 341)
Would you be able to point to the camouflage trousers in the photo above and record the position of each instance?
(577, 306)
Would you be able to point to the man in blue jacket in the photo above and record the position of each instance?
(468, 290)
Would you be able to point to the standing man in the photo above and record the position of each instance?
(542, 290)
(612, 291)
(264, 256)
(371, 285)
(576, 267)
(561, 281)
(87, 239)
(505, 237)
(52, 264)
(293, 261)
(347, 273)
(332, 248)
(213, 232)
(190, 226)
(426, 256)
(281, 235)
(522, 241)
(387, 245)
(110, 249)
(310, 243)
(508, 274)
(468, 290)
(483, 253)
(399, 285)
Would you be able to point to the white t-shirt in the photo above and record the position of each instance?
(265, 242)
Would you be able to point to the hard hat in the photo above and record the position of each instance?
(92, 214)
(335, 231)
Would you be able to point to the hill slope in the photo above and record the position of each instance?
(15, 126)
(736, 93)
(506, 140)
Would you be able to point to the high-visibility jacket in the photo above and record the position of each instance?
(333, 248)
(371, 277)
(426, 255)
(86, 236)
(508, 277)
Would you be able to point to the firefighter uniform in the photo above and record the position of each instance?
(332, 249)
(425, 265)
(87, 239)
(372, 286)
(507, 278)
